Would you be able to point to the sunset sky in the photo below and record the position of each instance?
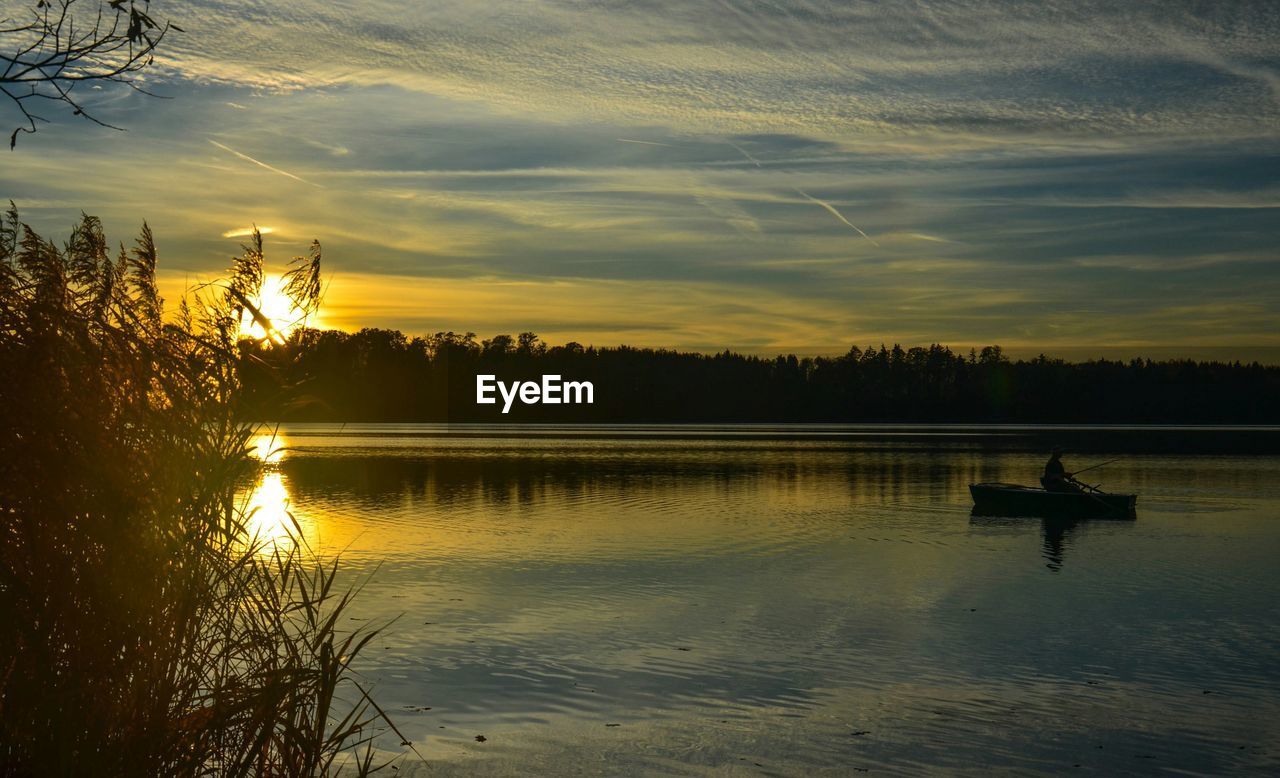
(1073, 177)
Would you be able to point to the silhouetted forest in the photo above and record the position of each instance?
(383, 375)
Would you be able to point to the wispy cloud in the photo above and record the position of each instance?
(903, 74)
(832, 210)
(745, 153)
(243, 232)
(262, 164)
(1019, 171)
(644, 142)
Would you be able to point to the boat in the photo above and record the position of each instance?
(996, 499)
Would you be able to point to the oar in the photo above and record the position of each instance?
(1092, 493)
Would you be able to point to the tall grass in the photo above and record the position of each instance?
(142, 630)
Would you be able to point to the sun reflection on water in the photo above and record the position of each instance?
(268, 448)
(269, 516)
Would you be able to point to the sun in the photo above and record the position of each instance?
(277, 307)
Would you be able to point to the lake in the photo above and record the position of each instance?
(794, 601)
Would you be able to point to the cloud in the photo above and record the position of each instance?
(332, 149)
(244, 232)
(842, 71)
(261, 164)
(690, 175)
(644, 142)
(832, 210)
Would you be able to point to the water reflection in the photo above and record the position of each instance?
(269, 447)
(690, 607)
(1055, 533)
(1056, 539)
(271, 520)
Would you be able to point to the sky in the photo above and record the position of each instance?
(1078, 178)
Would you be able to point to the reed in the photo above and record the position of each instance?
(143, 631)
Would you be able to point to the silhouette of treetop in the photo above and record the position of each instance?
(57, 45)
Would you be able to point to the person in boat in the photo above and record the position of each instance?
(1056, 478)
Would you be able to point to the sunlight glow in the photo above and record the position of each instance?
(268, 519)
(269, 447)
(274, 304)
(244, 232)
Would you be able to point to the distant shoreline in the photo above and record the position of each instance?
(385, 375)
(1122, 439)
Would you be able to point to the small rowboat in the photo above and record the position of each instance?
(1016, 500)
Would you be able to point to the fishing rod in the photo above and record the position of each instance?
(1090, 467)
(1091, 490)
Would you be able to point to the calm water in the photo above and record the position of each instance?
(791, 605)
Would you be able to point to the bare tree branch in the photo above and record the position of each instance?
(58, 45)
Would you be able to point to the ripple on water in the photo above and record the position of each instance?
(793, 610)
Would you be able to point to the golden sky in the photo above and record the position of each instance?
(795, 176)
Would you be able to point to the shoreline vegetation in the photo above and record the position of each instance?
(380, 375)
(146, 629)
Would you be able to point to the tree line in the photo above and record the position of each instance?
(384, 375)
